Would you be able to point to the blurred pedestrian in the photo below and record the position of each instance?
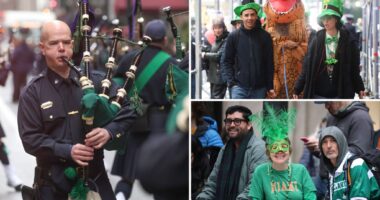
(350, 27)
(218, 86)
(312, 162)
(236, 22)
(200, 167)
(205, 129)
(12, 179)
(22, 60)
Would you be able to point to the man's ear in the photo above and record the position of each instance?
(72, 44)
(42, 48)
(249, 124)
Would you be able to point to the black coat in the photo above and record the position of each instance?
(154, 91)
(214, 72)
(252, 53)
(346, 73)
(22, 59)
(153, 94)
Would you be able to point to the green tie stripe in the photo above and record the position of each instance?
(150, 69)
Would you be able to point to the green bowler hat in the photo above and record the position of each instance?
(332, 7)
(235, 19)
(238, 10)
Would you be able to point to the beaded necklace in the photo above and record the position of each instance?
(270, 172)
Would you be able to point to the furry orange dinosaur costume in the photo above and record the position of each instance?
(286, 24)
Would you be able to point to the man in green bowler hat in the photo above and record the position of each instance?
(247, 63)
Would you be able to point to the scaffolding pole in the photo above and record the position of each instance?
(370, 46)
(198, 72)
(375, 45)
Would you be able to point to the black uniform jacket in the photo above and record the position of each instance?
(154, 91)
(49, 121)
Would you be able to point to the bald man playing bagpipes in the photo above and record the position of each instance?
(69, 153)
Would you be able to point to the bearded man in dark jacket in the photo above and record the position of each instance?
(250, 50)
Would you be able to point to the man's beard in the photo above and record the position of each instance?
(239, 136)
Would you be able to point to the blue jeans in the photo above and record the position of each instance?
(238, 92)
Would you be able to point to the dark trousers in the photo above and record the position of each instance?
(218, 91)
(19, 81)
(3, 154)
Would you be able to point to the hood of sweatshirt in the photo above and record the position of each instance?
(351, 108)
(341, 141)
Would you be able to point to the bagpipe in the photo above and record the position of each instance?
(100, 108)
(178, 43)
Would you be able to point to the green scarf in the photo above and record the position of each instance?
(230, 169)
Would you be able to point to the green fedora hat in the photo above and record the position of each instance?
(239, 9)
(332, 7)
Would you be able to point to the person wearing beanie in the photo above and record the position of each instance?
(218, 86)
(335, 155)
(331, 65)
(155, 102)
(247, 62)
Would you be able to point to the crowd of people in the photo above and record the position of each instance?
(54, 126)
(252, 167)
(274, 54)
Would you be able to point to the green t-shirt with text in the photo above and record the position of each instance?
(268, 183)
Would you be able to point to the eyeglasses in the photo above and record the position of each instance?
(236, 121)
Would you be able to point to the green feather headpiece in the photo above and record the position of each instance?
(274, 125)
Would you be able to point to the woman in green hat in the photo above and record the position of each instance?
(331, 65)
(279, 179)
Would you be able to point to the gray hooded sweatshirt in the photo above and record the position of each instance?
(362, 187)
